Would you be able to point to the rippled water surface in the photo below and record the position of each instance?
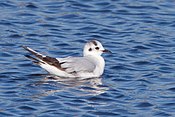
(139, 77)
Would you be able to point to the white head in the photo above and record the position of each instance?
(94, 47)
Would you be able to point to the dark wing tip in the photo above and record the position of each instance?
(25, 47)
(30, 57)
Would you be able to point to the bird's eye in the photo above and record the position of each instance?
(97, 48)
(90, 49)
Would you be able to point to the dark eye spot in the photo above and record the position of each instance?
(97, 48)
(90, 49)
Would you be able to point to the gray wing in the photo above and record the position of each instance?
(77, 64)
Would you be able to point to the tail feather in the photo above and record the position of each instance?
(38, 55)
(41, 59)
(30, 57)
(34, 60)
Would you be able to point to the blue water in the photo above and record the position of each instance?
(139, 77)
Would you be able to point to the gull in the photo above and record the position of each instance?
(90, 65)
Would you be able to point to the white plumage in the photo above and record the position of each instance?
(91, 64)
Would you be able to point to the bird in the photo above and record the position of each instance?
(90, 65)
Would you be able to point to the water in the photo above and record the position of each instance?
(139, 78)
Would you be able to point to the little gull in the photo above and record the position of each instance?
(91, 64)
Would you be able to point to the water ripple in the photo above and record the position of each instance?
(139, 75)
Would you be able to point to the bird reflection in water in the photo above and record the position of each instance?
(77, 86)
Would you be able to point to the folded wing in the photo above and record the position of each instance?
(76, 64)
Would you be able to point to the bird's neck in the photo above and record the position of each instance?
(100, 64)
